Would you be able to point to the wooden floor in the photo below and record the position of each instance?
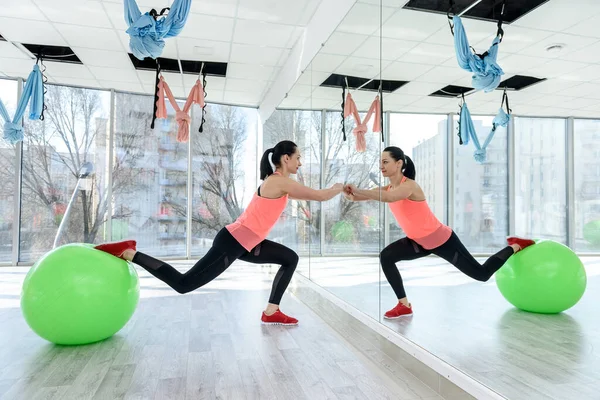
(470, 325)
(205, 345)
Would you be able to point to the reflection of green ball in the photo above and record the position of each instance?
(76, 294)
(547, 278)
(591, 232)
(342, 231)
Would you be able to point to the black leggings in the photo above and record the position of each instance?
(452, 251)
(224, 251)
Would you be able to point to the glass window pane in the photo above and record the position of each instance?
(587, 185)
(540, 178)
(149, 178)
(56, 152)
(481, 190)
(423, 138)
(224, 167)
(8, 95)
(299, 226)
(351, 227)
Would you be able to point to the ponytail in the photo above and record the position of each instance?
(408, 167)
(281, 149)
(265, 165)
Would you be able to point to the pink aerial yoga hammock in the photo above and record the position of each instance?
(361, 126)
(182, 116)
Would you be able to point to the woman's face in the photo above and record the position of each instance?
(389, 166)
(292, 163)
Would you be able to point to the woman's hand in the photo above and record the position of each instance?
(350, 189)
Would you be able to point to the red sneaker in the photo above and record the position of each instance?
(399, 311)
(278, 318)
(522, 242)
(117, 248)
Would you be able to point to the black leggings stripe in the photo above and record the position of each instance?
(224, 251)
(452, 251)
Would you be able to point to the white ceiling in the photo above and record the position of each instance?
(418, 47)
(255, 38)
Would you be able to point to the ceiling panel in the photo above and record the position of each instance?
(199, 26)
(393, 49)
(346, 43)
(405, 71)
(429, 53)
(83, 13)
(89, 38)
(570, 43)
(8, 50)
(57, 70)
(29, 31)
(412, 25)
(223, 8)
(559, 15)
(364, 19)
(114, 74)
(255, 55)
(262, 33)
(103, 58)
(201, 50)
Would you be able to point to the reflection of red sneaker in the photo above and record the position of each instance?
(278, 318)
(117, 248)
(522, 242)
(399, 311)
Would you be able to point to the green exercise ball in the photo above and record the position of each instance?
(591, 232)
(76, 294)
(546, 278)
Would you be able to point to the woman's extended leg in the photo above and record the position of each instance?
(224, 251)
(456, 254)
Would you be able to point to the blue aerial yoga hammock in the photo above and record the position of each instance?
(33, 93)
(466, 130)
(485, 69)
(147, 32)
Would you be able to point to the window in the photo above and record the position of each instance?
(543, 207)
(587, 185)
(149, 178)
(55, 152)
(351, 227)
(481, 214)
(423, 138)
(8, 94)
(224, 166)
(300, 225)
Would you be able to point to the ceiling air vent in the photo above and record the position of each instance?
(487, 10)
(62, 54)
(338, 81)
(188, 67)
(451, 91)
(519, 82)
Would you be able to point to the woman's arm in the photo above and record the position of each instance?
(298, 191)
(400, 193)
(360, 197)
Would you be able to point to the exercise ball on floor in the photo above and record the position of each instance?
(76, 295)
(546, 278)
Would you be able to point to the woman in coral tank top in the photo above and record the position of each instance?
(244, 239)
(425, 233)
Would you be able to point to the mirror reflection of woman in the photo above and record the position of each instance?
(425, 234)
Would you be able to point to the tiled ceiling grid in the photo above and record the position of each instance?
(418, 47)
